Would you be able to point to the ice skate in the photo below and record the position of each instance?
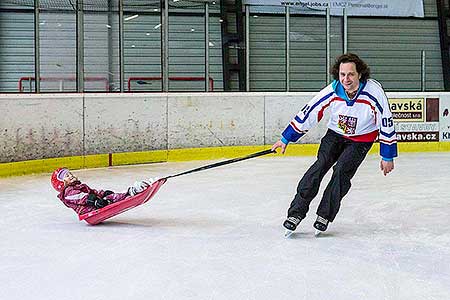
(288, 233)
(320, 225)
(290, 224)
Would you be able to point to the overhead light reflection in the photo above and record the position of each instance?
(131, 18)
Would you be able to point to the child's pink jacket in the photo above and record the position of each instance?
(75, 196)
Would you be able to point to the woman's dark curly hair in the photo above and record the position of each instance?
(361, 66)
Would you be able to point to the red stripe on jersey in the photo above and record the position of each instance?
(362, 101)
(367, 138)
(371, 107)
(320, 114)
(365, 102)
(368, 103)
(357, 101)
(388, 142)
(295, 127)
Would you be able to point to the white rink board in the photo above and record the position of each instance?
(47, 126)
(34, 127)
(213, 121)
(125, 124)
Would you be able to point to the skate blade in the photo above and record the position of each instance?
(317, 233)
(288, 233)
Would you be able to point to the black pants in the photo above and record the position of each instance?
(346, 156)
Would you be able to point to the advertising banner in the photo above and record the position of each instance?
(407, 110)
(394, 8)
(416, 119)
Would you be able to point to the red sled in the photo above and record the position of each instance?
(99, 215)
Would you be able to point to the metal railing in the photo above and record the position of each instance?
(171, 78)
(60, 80)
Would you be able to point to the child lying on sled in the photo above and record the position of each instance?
(83, 199)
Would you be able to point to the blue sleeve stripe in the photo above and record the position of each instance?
(291, 135)
(373, 99)
(312, 108)
(388, 151)
(388, 134)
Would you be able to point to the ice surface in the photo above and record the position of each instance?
(217, 234)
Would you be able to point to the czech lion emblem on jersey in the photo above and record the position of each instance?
(347, 124)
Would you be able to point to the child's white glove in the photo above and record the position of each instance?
(137, 187)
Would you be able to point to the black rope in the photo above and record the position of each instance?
(221, 163)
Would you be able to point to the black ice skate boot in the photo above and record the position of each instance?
(291, 224)
(320, 225)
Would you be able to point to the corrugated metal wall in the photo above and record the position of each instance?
(16, 49)
(391, 46)
(307, 52)
(186, 52)
(142, 49)
(58, 52)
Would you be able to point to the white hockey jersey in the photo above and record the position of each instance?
(363, 118)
